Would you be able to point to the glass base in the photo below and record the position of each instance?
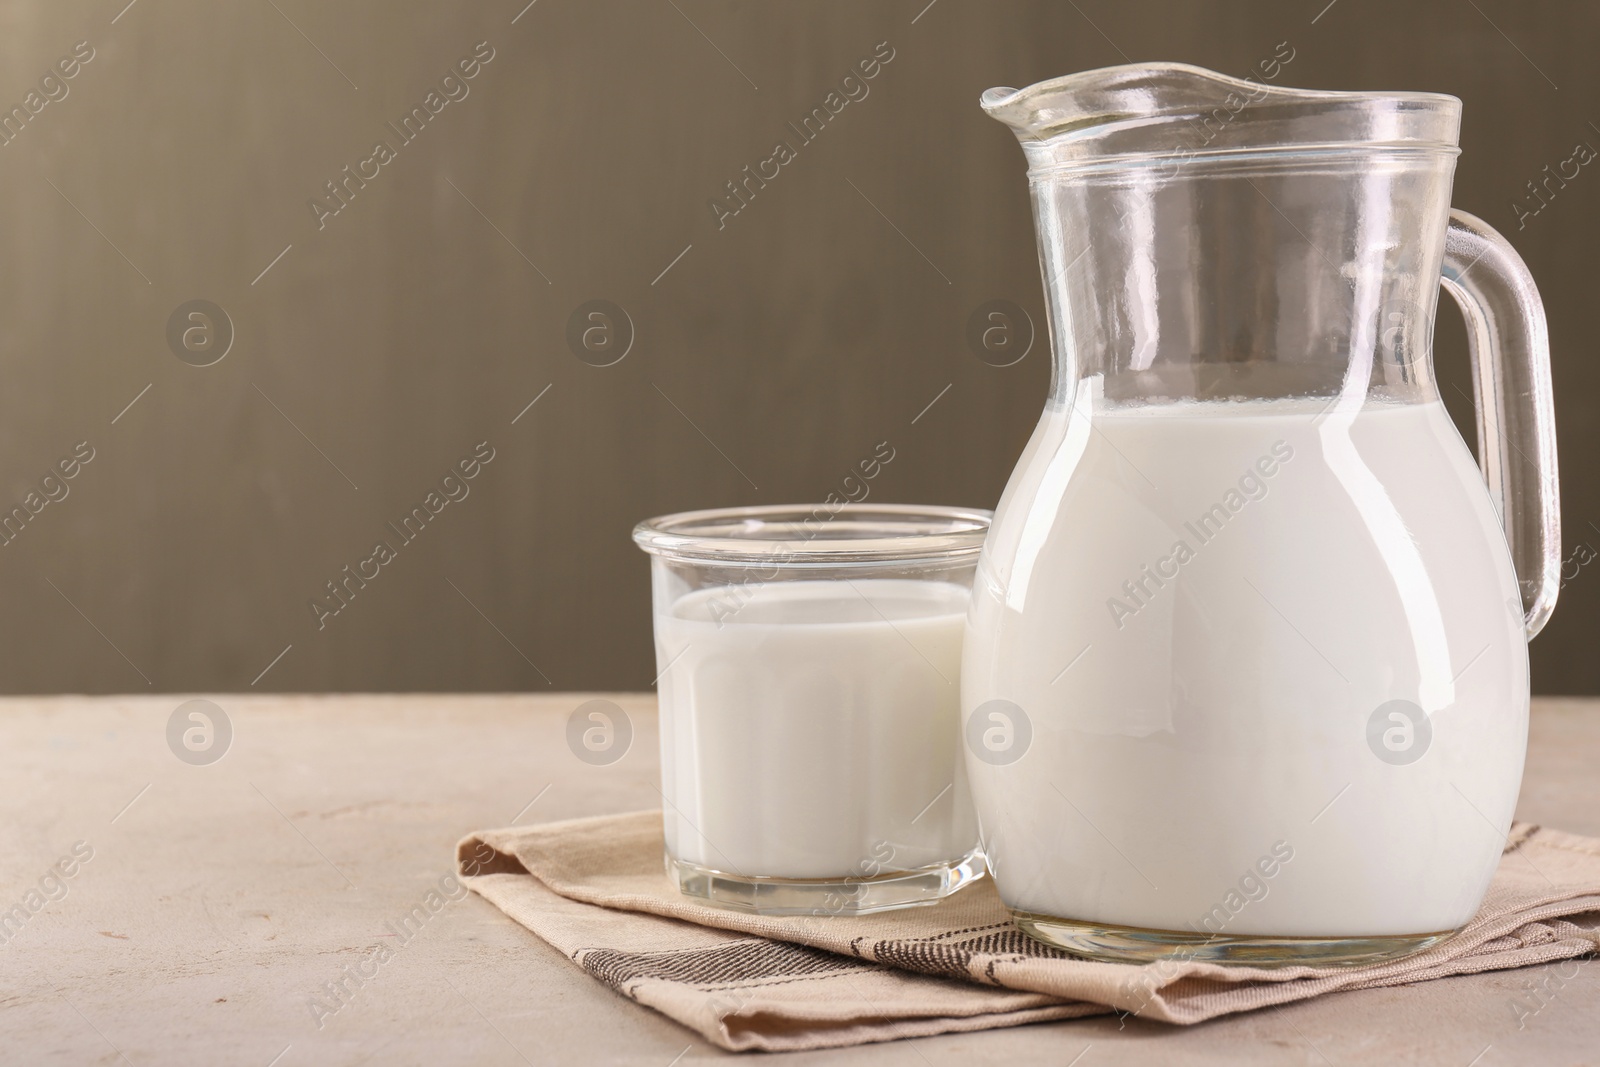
(1133, 944)
(859, 895)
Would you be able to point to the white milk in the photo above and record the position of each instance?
(812, 732)
(1214, 726)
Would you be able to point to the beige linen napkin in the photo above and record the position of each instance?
(596, 890)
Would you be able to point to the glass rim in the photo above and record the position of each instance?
(813, 534)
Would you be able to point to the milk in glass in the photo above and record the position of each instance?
(809, 728)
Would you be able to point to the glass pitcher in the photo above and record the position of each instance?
(1245, 674)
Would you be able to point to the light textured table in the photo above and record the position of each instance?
(223, 896)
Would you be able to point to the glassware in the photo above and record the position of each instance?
(1252, 623)
(809, 664)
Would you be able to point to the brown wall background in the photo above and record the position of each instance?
(420, 320)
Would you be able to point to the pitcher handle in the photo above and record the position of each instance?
(1510, 350)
